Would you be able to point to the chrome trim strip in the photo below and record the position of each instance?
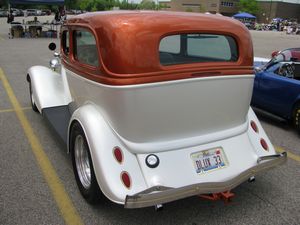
(267, 157)
(160, 194)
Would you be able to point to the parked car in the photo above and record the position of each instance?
(38, 12)
(3, 13)
(31, 12)
(17, 12)
(46, 12)
(154, 110)
(277, 86)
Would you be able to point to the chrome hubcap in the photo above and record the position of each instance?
(82, 162)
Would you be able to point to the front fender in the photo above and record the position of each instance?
(102, 140)
(48, 88)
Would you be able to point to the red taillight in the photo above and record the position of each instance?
(118, 154)
(254, 126)
(264, 144)
(126, 179)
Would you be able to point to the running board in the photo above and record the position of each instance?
(58, 117)
(268, 114)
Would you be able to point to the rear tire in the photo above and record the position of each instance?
(32, 100)
(83, 165)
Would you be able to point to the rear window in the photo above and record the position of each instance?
(196, 48)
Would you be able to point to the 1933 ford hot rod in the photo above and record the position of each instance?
(154, 106)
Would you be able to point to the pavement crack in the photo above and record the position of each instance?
(266, 201)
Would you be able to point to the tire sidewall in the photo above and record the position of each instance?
(33, 105)
(296, 117)
(92, 193)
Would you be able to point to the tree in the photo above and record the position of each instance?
(86, 5)
(147, 4)
(189, 9)
(3, 3)
(249, 6)
(71, 4)
(97, 5)
(202, 8)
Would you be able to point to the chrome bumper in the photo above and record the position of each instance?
(160, 194)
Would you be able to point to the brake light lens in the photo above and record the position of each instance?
(126, 179)
(264, 144)
(254, 126)
(118, 154)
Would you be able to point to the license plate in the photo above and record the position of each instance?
(211, 159)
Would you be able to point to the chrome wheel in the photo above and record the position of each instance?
(82, 162)
(83, 165)
(296, 117)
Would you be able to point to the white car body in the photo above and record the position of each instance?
(172, 119)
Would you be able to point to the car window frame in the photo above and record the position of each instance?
(67, 54)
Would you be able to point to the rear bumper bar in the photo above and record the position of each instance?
(161, 194)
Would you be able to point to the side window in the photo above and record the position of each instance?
(66, 42)
(85, 49)
(171, 44)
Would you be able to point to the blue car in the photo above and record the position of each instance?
(277, 86)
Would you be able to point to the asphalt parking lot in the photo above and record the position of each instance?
(37, 185)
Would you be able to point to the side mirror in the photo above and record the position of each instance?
(274, 53)
(52, 46)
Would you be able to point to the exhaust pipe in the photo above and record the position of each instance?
(159, 207)
(251, 179)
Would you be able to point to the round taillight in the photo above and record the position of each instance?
(254, 126)
(118, 154)
(126, 179)
(264, 144)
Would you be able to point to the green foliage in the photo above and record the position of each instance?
(99, 5)
(71, 4)
(202, 8)
(125, 5)
(189, 10)
(3, 4)
(162, 6)
(249, 6)
(148, 5)
(93, 5)
(96, 5)
(86, 5)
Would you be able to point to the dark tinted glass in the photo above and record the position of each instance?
(195, 48)
(85, 49)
